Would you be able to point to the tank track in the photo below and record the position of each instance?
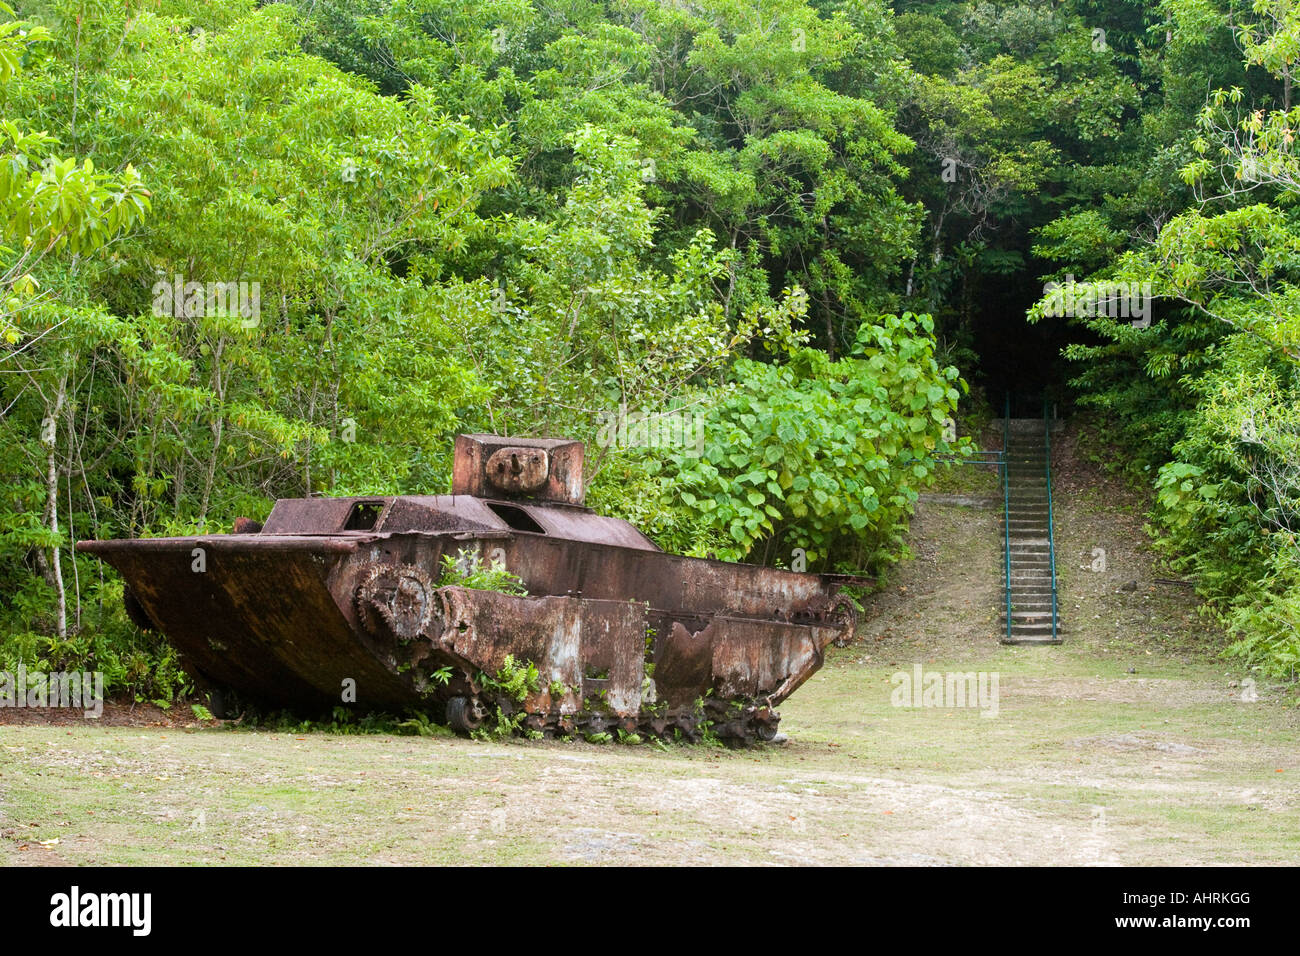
(735, 723)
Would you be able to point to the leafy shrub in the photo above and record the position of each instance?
(1228, 505)
(823, 455)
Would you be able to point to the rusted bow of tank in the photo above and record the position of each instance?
(254, 614)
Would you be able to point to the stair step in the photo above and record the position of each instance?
(1027, 535)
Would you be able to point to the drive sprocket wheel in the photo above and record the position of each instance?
(397, 599)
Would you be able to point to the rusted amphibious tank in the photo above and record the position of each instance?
(337, 590)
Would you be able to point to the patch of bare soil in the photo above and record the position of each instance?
(115, 714)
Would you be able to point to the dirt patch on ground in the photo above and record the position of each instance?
(115, 714)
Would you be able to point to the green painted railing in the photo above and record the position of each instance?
(1051, 525)
(1006, 509)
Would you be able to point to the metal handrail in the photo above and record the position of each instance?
(1051, 527)
(1006, 510)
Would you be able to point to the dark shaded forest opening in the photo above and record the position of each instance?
(1008, 356)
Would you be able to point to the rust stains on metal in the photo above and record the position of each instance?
(517, 470)
(622, 635)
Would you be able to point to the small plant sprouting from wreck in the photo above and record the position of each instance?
(466, 570)
(515, 679)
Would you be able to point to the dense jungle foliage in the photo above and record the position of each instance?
(261, 250)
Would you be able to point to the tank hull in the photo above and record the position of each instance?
(340, 601)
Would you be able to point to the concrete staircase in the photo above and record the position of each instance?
(1028, 535)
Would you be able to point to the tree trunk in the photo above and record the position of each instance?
(218, 426)
(74, 454)
(49, 436)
